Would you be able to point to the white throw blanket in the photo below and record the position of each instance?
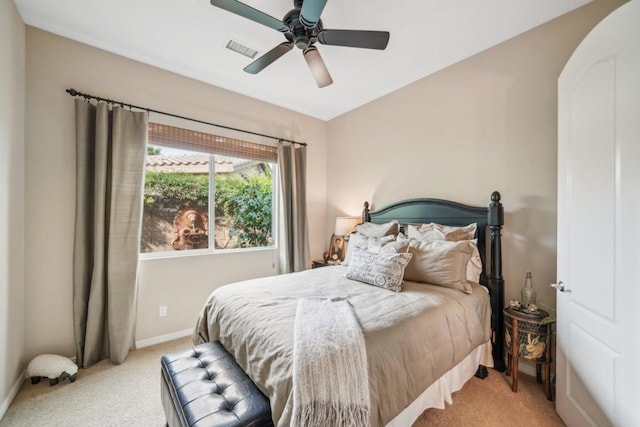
(330, 377)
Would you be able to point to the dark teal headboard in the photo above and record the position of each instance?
(490, 221)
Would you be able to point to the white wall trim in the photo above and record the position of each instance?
(12, 394)
(164, 338)
(527, 369)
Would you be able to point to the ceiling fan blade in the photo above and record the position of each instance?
(318, 69)
(311, 11)
(248, 12)
(355, 38)
(265, 60)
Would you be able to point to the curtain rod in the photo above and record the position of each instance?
(74, 92)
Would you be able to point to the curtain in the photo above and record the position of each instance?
(293, 235)
(110, 149)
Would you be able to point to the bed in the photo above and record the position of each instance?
(422, 344)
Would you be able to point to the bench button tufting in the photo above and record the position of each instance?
(183, 407)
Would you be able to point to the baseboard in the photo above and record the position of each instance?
(12, 394)
(527, 369)
(164, 338)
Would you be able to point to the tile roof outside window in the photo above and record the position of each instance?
(195, 163)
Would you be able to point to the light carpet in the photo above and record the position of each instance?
(129, 395)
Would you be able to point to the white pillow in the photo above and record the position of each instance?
(397, 246)
(441, 263)
(432, 231)
(384, 270)
(357, 240)
(370, 229)
(474, 267)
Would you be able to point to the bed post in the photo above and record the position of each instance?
(496, 281)
(365, 212)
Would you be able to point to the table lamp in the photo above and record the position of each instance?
(344, 226)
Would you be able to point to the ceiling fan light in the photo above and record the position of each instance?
(317, 66)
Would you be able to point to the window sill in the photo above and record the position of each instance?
(202, 252)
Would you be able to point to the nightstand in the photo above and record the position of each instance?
(322, 263)
(527, 338)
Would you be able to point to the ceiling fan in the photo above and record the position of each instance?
(302, 27)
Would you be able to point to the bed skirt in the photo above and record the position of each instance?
(440, 391)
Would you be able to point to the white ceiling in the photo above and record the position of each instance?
(188, 38)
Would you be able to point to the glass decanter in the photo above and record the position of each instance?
(528, 294)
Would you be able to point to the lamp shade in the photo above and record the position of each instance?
(345, 225)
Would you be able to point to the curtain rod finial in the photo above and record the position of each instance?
(72, 92)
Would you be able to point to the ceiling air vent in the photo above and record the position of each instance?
(241, 49)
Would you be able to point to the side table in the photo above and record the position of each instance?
(527, 338)
(322, 263)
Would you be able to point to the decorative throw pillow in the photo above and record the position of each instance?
(384, 270)
(441, 263)
(432, 231)
(370, 229)
(357, 240)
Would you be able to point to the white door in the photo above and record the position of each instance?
(598, 325)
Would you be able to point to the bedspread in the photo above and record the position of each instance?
(412, 337)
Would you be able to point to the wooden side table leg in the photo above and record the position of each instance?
(539, 373)
(547, 380)
(514, 355)
(547, 366)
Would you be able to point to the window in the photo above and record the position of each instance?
(204, 199)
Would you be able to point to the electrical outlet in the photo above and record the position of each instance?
(162, 311)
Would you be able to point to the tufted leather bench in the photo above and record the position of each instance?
(204, 386)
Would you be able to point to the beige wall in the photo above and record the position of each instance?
(55, 64)
(12, 81)
(487, 123)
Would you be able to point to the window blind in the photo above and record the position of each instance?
(175, 137)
